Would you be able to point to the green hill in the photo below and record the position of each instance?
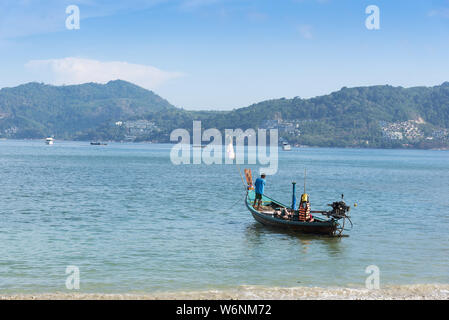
(37, 110)
(353, 116)
(375, 116)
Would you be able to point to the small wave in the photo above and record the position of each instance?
(396, 292)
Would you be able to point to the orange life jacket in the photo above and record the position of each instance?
(304, 213)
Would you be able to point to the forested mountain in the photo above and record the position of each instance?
(367, 104)
(356, 116)
(376, 116)
(36, 110)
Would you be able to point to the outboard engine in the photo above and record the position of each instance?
(339, 210)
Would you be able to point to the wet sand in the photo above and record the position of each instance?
(403, 292)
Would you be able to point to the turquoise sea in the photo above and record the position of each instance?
(133, 222)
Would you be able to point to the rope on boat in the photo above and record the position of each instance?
(240, 172)
(233, 205)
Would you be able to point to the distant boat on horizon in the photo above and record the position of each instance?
(96, 143)
(49, 141)
(286, 146)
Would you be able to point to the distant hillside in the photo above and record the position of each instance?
(37, 110)
(373, 103)
(363, 116)
(376, 116)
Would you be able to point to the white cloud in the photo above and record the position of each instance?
(319, 1)
(257, 16)
(197, 3)
(442, 13)
(72, 70)
(306, 31)
(26, 17)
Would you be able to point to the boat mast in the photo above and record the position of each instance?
(304, 180)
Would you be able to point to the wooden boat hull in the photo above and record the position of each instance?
(319, 226)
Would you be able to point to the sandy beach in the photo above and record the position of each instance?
(403, 292)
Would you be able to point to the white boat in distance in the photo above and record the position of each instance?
(286, 146)
(49, 141)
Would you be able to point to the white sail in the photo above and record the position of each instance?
(230, 150)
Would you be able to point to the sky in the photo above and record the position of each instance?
(225, 54)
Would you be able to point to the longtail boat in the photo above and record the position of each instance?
(275, 214)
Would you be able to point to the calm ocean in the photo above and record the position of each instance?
(135, 223)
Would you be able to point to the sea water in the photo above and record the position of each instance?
(132, 222)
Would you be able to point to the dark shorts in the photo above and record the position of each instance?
(258, 196)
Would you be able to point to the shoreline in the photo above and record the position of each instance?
(293, 147)
(391, 292)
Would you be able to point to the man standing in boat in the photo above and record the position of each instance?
(259, 186)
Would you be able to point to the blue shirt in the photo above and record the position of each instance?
(259, 184)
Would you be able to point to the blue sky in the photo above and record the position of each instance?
(224, 54)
